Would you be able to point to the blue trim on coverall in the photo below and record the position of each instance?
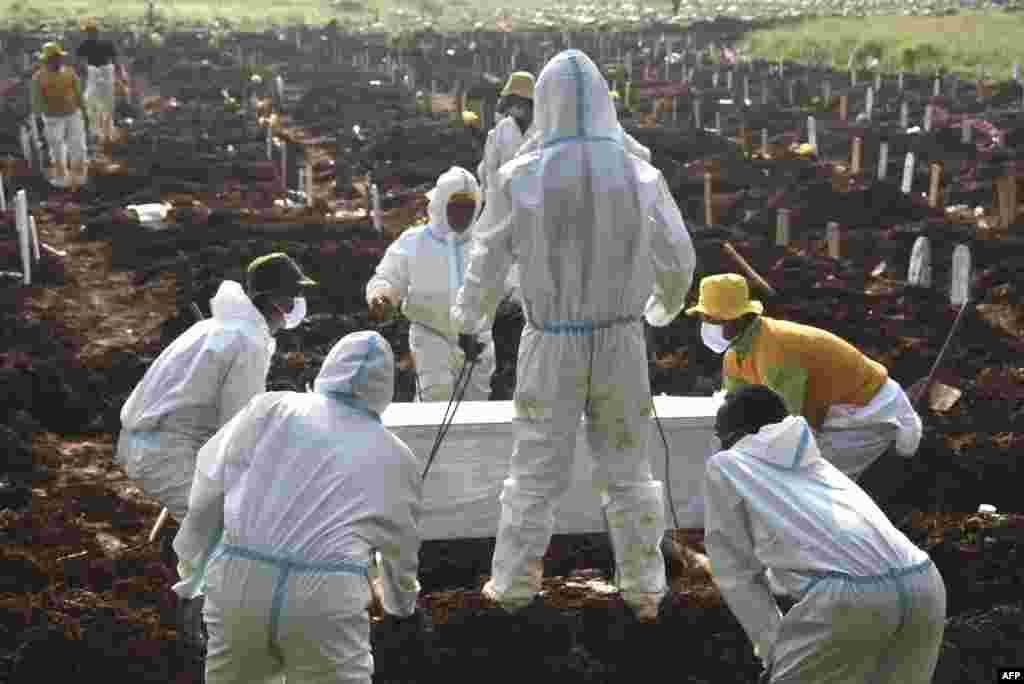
(579, 328)
(894, 575)
(287, 565)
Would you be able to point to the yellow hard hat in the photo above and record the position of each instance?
(470, 119)
(519, 83)
(725, 298)
(51, 49)
(89, 24)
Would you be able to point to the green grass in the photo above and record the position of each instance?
(993, 40)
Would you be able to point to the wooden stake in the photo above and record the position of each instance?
(782, 227)
(834, 237)
(1007, 188)
(920, 272)
(855, 155)
(960, 288)
(933, 185)
(748, 269)
(709, 211)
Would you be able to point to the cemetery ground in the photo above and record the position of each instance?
(830, 229)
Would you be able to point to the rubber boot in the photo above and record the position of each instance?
(534, 582)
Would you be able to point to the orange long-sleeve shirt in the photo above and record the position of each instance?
(811, 368)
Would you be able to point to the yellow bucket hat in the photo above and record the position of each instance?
(725, 298)
(519, 83)
(51, 49)
(89, 24)
(470, 118)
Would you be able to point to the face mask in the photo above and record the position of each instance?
(713, 338)
(296, 315)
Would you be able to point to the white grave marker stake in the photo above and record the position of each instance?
(782, 228)
(826, 92)
(883, 160)
(966, 129)
(746, 89)
(904, 115)
(908, 174)
(714, 79)
(718, 122)
(284, 165)
(812, 131)
(26, 147)
(834, 236)
(899, 81)
(960, 288)
(35, 237)
(920, 272)
(791, 92)
(24, 228)
(937, 87)
(1016, 72)
(878, 81)
(696, 114)
(764, 94)
(728, 80)
(927, 118)
(279, 83)
(853, 78)
(378, 221)
(764, 139)
(270, 143)
(3, 194)
(869, 103)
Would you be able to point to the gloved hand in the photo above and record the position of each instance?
(185, 569)
(381, 305)
(471, 346)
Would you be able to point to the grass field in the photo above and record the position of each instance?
(993, 40)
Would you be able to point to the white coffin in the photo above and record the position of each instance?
(462, 488)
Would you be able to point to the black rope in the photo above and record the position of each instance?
(458, 391)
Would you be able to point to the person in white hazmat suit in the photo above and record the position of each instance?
(423, 270)
(599, 242)
(290, 500)
(508, 135)
(205, 376)
(871, 606)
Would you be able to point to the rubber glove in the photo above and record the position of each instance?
(185, 570)
(471, 346)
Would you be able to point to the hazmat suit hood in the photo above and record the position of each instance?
(578, 132)
(359, 370)
(232, 304)
(455, 179)
(788, 444)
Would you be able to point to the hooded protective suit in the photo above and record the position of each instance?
(300, 489)
(599, 241)
(424, 268)
(503, 142)
(872, 606)
(192, 389)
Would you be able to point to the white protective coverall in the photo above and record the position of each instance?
(872, 606)
(503, 142)
(853, 437)
(300, 489)
(99, 92)
(193, 388)
(599, 241)
(425, 269)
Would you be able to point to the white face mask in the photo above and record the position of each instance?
(713, 338)
(293, 318)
